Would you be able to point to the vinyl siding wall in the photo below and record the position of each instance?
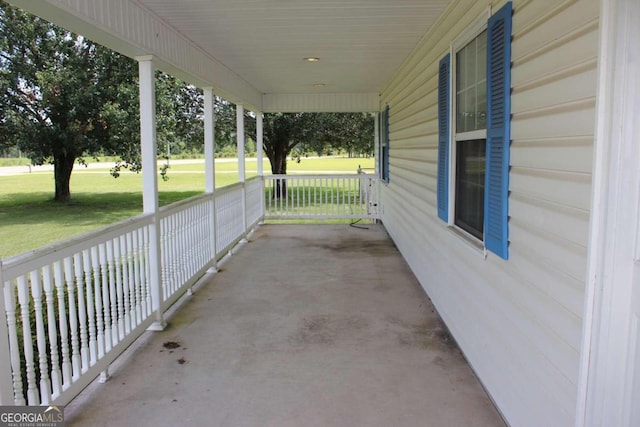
(518, 321)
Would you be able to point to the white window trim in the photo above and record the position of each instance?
(473, 31)
(468, 136)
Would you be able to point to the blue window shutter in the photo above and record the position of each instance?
(443, 138)
(386, 140)
(380, 146)
(496, 212)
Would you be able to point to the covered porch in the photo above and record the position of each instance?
(304, 325)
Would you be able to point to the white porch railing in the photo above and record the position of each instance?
(321, 197)
(71, 308)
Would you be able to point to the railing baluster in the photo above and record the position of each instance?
(41, 337)
(99, 278)
(307, 191)
(82, 312)
(10, 309)
(73, 318)
(175, 255)
(104, 292)
(137, 261)
(58, 275)
(146, 273)
(165, 250)
(351, 194)
(27, 342)
(113, 299)
(143, 259)
(56, 374)
(125, 254)
(91, 313)
(281, 183)
(131, 289)
(117, 258)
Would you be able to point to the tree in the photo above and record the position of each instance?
(64, 98)
(57, 88)
(283, 132)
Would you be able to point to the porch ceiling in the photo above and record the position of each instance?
(252, 50)
(360, 43)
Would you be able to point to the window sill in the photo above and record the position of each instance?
(469, 241)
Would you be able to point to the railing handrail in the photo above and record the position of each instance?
(320, 176)
(72, 245)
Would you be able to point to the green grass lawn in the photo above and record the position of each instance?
(30, 219)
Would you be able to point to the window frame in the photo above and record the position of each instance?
(383, 136)
(473, 31)
(498, 131)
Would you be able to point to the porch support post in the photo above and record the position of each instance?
(609, 380)
(259, 142)
(210, 171)
(209, 141)
(240, 141)
(260, 159)
(376, 143)
(241, 171)
(6, 378)
(146, 72)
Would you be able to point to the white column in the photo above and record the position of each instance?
(376, 143)
(240, 133)
(259, 142)
(241, 171)
(260, 160)
(210, 169)
(146, 72)
(609, 381)
(6, 377)
(209, 141)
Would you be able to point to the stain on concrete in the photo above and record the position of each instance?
(352, 247)
(431, 333)
(171, 344)
(327, 330)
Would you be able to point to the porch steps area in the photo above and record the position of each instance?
(306, 325)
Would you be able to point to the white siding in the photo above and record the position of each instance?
(517, 321)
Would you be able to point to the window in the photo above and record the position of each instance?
(478, 137)
(471, 134)
(471, 86)
(469, 204)
(383, 126)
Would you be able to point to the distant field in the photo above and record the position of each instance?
(29, 219)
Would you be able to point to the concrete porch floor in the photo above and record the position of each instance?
(307, 325)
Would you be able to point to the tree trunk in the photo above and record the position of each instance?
(279, 167)
(62, 168)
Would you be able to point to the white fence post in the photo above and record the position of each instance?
(146, 71)
(260, 155)
(241, 166)
(6, 377)
(210, 171)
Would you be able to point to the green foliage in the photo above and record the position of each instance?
(57, 90)
(315, 132)
(65, 99)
